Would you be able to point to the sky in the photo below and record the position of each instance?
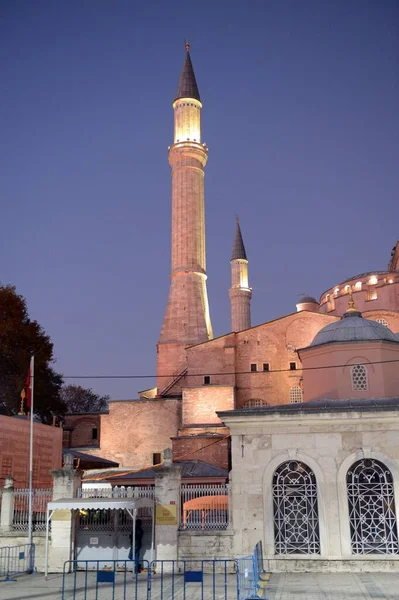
(300, 114)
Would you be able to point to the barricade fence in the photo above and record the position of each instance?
(251, 575)
(204, 507)
(40, 498)
(160, 580)
(16, 560)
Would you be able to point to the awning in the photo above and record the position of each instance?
(98, 503)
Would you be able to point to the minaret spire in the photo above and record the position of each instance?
(240, 293)
(186, 321)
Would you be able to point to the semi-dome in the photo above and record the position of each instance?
(353, 328)
(307, 299)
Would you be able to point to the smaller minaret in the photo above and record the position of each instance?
(240, 293)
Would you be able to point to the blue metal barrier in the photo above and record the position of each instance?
(163, 580)
(102, 579)
(200, 579)
(16, 560)
(251, 575)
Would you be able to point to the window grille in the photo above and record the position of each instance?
(253, 367)
(359, 378)
(372, 514)
(266, 366)
(292, 366)
(254, 403)
(296, 395)
(296, 518)
(382, 321)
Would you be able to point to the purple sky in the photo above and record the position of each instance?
(301, 103)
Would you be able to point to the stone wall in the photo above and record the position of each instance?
(17, 539)
(209, 445)
(329, 443)
(195, 545)
(14, 451)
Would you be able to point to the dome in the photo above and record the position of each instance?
(306, 299)
(353, 328)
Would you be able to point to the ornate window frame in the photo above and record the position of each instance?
(343, 507)
(268, 508)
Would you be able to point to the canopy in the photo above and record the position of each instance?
(205, 504)
(96, 503)
(131, 505)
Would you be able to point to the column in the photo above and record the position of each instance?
(167, 509)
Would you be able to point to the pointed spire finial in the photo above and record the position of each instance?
(187, 87)
(351, 311)
(238, 246)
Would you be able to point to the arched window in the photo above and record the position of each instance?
(382, 321)
(254, 403)
(296, 394)
(296, 518)
(372, 508)
(359, 378)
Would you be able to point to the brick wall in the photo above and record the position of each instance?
(14, 452)
(81, 430)
(212, 448)
(134, 430)
(201, 403)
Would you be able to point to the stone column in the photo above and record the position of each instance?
(7, 505)
(66, 482)
(167, 509)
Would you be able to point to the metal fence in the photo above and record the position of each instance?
(204, 507)
(15, 560)
(251, 575)
(159, 580)
(40, 498)
(104, 519)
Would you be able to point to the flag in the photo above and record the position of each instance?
(27, 390)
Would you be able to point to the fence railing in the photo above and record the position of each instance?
(251, 575)
(40, 498)
(204, 507)
(117, 492)
(15, 560)
(107, 520)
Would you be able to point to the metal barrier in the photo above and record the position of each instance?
(251, 575)
(219, 579)
(102, 579)
(189, 579)
(160, 580)
(16, 560)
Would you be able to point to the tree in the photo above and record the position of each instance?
(19, 339)
(78, 399)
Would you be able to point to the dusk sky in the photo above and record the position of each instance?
(300, 114)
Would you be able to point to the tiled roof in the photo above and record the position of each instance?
(319, 406)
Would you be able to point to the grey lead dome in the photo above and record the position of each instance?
(353, 328)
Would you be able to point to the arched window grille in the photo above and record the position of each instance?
(372, 514)
(296, 394)
(296, 518)
(382, 321)
(359, 378)
(255, 402)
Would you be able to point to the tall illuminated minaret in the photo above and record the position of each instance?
(186, 319)
(240, 293)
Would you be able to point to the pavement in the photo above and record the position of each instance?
(284, 586)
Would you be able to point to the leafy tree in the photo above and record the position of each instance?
(78, 399)
(20, 337)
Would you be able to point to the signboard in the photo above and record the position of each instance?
(62, 514)
(165, 514)
(94, 541)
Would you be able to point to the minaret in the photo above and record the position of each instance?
(240, 293)
(186, 319)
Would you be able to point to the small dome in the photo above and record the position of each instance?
(353, 328)
(307, 299)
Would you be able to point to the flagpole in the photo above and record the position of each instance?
(30, 506)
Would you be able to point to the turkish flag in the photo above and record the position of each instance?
(28, 390)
